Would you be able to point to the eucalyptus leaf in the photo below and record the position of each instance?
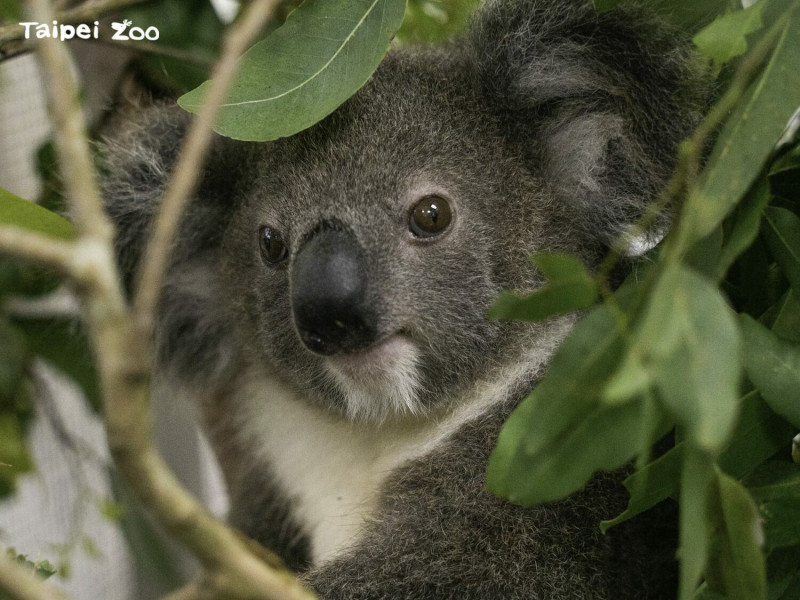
(190, 26)
(744, 226)
(786, 320)
(27, 215)
(687, 14)
(690, 336)
(774, 368)
(569, 287)
(10, 10)
(786, 184)
(792, 591)
(322, 54)
(737, 564)
(697, 476)
(14, 355)
(14, 455)
(782, 233)
(65, 345)
(433, 20)
(759, 434)
(748, 137)
(774, 479)
(551, 444)
(783, 566)
(781, 519)
(726, 37)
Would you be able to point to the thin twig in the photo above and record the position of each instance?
(139, 46)
(70, 130)
(21, 584)
(37, 248)
(233, 568)
(159, 50)
(184, 180)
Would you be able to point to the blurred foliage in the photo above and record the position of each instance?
(669, 345)
(191, 27)
(434, 20)
(10, 11)
(42, 569)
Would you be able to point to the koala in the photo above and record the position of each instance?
(326, 304)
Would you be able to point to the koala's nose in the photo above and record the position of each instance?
(330, 303)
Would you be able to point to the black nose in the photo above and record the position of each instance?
(330, 302)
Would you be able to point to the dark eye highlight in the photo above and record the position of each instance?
(273, 248)
(430, 217)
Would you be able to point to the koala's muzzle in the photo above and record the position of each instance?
(330, 303)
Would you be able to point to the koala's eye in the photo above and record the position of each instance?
(273, 250)
(430, 216)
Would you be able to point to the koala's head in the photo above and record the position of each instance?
(361, 255)
(368, 248)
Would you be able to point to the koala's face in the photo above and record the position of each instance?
(371, 246)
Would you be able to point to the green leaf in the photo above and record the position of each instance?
(759, 434)
(687, 14)
(704, 255)
(792, 591)
(726, 37)
(783, 566)
(10, 10)
(64, 344)
(42, 568)
(690, 336)
(774, 368)
(302, 72)
(736, 563)
(784, 176)
(781, 521)
(192, 27)
(744, 226)
(148, 546)
(14, 457)
(786, 320)
(561, 434)
(774, 479)
(782, 233)
(434, 20)
(696, 478)
(14, 355)
(21, 213)
(748, 137)
(776, 488)
(569, 287)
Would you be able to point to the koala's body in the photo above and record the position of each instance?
(327, 301)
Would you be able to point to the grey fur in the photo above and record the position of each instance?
(549, 128)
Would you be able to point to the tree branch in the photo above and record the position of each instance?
(37, 248)
(184, 180)
(70, 130)
(20, 584)
(234, 567)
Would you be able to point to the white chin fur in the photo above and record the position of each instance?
(379, 382)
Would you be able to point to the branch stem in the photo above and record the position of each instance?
(186, 174)
(20, 584)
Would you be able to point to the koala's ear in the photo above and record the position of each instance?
(598, 102)
(138, 156)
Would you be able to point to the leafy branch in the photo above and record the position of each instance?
(233, 566)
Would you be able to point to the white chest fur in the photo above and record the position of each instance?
(332, 469)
